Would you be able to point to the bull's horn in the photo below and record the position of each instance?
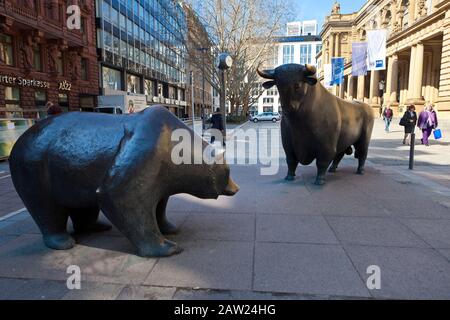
(267, 74)
(310, 70)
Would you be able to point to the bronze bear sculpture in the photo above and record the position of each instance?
(317, 125)
(76, 164)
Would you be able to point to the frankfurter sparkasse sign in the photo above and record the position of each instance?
(20, 81)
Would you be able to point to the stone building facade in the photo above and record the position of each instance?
(418, 53)
(42, 59)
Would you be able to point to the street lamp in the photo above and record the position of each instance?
(203, 50)
(224, 62)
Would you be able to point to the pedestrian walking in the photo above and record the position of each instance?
(217, 123)
(388, 114)
(53, 109)
(409, 121)
(427, 122)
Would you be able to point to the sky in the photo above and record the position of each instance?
(318, 9)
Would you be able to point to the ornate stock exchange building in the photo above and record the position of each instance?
(142, 51)
(418, 53)
(43, 59)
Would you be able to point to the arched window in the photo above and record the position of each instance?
(405, 9)
(388, 19)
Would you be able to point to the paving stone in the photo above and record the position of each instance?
(421, 207)
(9, 285)
(5, 238)
(406, 273)
(434, 232)
(374, 232)
(208, 265)
(38, 289)
(100, 258)
(15, 227)
(217, 226)
(306, 269)
(293, 228)
(146, 293)
(94, 291)
(183, 294)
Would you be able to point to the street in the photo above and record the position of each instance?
(273, 240)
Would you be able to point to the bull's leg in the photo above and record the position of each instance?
(164, 225)
(292, 167)
(86, 220)
(336, 162)
(322, 166)
(361, 150)
(137, 221)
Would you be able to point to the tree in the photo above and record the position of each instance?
(245, 29)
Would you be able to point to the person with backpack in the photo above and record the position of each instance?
(388, 114)
(217, 123)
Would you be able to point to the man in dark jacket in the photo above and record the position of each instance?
(217, 123)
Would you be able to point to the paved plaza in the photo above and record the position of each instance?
(273, 240)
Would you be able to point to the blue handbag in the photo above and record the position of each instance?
(437, 134)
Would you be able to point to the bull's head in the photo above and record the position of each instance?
(293, 82)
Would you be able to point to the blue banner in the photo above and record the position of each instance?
(359, 59)
(337, 71)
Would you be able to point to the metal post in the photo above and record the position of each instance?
(203, 91)
(192, 100)
(411, 150)
(222, 102)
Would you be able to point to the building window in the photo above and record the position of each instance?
(149, 87)
(40, 99)
(59, 63)
(111, 79)
(288, 54)
(63, 101)
(84, 69)
(6, 50)
(405, 13)
(318, 48)
(133, 84)
(12, 102)
(305, 54)
(268, 100)
(37, 58)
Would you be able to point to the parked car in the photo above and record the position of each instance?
(266, 116)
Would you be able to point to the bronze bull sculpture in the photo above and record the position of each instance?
(76, 164)
(316, 125)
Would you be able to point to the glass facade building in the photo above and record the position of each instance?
(142, 44)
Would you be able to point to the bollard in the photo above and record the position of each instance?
(411, 151)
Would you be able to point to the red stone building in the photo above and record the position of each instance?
(42, 59)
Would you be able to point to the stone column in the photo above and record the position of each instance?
(373, 95)
(331, 49)
(350, 87)
(338, 45)
(360, 89)
(443, 104)
(392, 80)
(412, 67)
(418, 70)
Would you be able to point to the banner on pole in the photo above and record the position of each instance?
(327, 75)
(359, 59)
(376, 49)
(337, 70)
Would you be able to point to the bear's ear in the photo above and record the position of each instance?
(268, 84)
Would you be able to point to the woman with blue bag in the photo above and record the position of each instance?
(427, 122)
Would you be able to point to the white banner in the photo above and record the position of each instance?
(376, 49)
(327, 75)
